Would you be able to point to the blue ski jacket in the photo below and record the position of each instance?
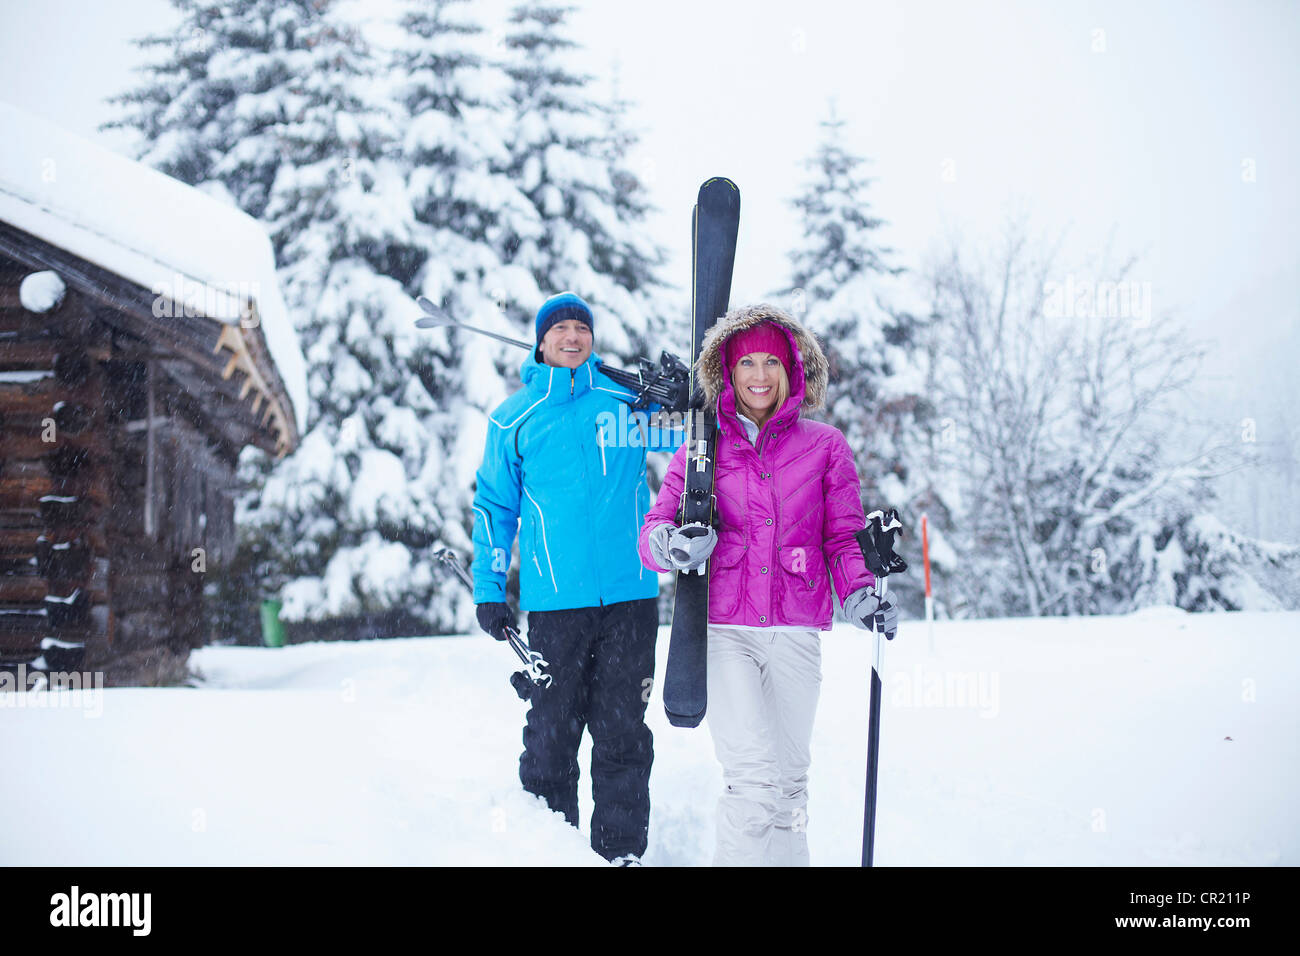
(565, 468)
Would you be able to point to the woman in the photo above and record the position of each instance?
(788, 507)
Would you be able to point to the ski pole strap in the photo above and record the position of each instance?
(877, 543)
(867, 542)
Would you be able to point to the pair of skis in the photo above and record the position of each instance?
(715, 223)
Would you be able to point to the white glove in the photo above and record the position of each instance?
(864, 609)
(657, 539)
(689, 547)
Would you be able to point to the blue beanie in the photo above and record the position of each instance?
(561, 307)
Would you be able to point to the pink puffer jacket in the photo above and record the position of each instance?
(788, 505)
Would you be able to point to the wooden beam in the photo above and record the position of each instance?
(150, 459)
(25, 490)
(232, 338)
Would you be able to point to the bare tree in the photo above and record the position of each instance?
(1064, 431)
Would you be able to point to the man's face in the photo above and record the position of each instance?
(566, 344)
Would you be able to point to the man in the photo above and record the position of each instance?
(565, 465)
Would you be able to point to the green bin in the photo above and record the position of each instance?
(272, 629)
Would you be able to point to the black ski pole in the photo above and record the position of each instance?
(873, 754)
(877, 543)
(666, 384)
(531, 676)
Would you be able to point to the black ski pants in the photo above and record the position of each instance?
(602, 660)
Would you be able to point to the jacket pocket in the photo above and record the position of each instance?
(805, 594)
(726, 579)
(805, 563)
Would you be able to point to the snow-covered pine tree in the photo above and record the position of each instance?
(350, 510)
(1198, 563)
(628, 255)
(216, 89)
(871, 323)
(175, 102)
(568, 153)
(453, 96)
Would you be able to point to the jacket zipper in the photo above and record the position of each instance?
(541, 528)
(764, 439)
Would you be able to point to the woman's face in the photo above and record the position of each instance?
(755, 380)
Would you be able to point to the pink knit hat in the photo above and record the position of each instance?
(766, 337)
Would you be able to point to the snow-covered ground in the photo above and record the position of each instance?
(1159, 738)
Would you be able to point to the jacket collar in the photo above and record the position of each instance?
(559, 385)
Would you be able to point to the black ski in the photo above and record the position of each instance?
(714, 225)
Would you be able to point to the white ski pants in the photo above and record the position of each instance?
(763, 687)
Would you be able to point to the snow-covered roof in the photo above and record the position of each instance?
(148, 228)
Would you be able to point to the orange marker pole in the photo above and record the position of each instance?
(929, 597)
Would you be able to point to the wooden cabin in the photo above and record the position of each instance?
(130, 380)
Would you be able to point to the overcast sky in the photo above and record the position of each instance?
(1142, 118)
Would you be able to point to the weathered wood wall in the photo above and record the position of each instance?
(168, 529)
(114, 498)
(54, 483)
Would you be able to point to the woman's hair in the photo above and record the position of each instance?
(782, 392)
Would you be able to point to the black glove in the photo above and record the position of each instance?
(494, 617)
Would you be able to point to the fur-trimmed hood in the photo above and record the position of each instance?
(809, 375)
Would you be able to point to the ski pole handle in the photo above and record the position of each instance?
(533, 662)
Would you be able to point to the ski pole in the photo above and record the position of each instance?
(666, 385)
(873, 746)
(877, 543)
(434, 318)
(532, 675)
